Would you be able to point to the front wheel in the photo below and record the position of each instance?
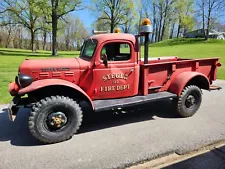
(55, 119)
(189, 101)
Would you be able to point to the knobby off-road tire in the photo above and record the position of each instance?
(187, 104)
(41, 123)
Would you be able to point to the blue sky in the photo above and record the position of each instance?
(86, 16)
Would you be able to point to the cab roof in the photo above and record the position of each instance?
(114, 36)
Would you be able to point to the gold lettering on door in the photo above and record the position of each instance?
(114, 88)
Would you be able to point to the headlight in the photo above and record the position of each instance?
(24, 80)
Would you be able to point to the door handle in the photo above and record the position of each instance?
(131, 70)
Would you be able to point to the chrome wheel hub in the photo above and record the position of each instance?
(57, 120)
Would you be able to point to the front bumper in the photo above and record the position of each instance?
(15, 105)
(13, 88)
(13, 108)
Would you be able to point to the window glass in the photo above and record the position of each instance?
(88, 48)
(116, 51)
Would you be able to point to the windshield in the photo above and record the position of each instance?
(88, 48)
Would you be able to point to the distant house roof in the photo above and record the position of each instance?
(214, 32)
(200, 33)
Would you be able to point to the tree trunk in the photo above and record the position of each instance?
(32, 40)
(111, 27)
(178, 30)
(172, 30)
(21, 38)
(8, 38)
(37, 44)
(44, 39)
(55, 5)
(164, 21)
(203, 19)
(156, 32)
(154, 22)
(208, 27)
(208, 23)
(54, 33)
(163, 30)
(67, 43)
(160, 23)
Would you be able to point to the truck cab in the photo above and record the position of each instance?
(115, 65)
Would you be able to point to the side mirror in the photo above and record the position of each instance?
(105, 60)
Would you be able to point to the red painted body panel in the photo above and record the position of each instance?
(113, 87)
(50, 82)
(164, 73)
(102, 38)
(121, 78)
(179, 82)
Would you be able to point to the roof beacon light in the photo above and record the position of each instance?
(146, 21)
(117, 30)
(146, 26)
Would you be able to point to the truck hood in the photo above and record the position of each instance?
(52, 65)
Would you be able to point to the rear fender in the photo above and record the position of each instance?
(52, 82)
(184, 78)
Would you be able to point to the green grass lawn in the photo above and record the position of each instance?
(10, 59)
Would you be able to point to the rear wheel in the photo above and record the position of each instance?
(189, 101)
(55, 119)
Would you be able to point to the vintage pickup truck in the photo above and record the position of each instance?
(108, 74)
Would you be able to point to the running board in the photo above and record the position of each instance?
(102, 105)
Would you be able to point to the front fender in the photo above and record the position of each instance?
(182, 79)
(50, 82)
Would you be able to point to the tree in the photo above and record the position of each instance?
(45, 24)
(101, 24)
(212, 6)
(184, 10)
(202, 4)
(209, 9)
(23, 12)
(113, 11)
(132, 18)
(73, 34)
(8, 27)
(59, 9)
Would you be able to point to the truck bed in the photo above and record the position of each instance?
(160, 71)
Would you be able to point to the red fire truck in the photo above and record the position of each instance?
(108, 74)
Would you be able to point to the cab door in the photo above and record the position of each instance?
(121, 76)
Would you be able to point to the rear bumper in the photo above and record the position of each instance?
(213, 87)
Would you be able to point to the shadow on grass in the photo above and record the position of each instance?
(24, 55)
(27, 52)
(18, 134)
(36, 54)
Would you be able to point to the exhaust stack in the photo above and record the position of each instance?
(145, 31)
